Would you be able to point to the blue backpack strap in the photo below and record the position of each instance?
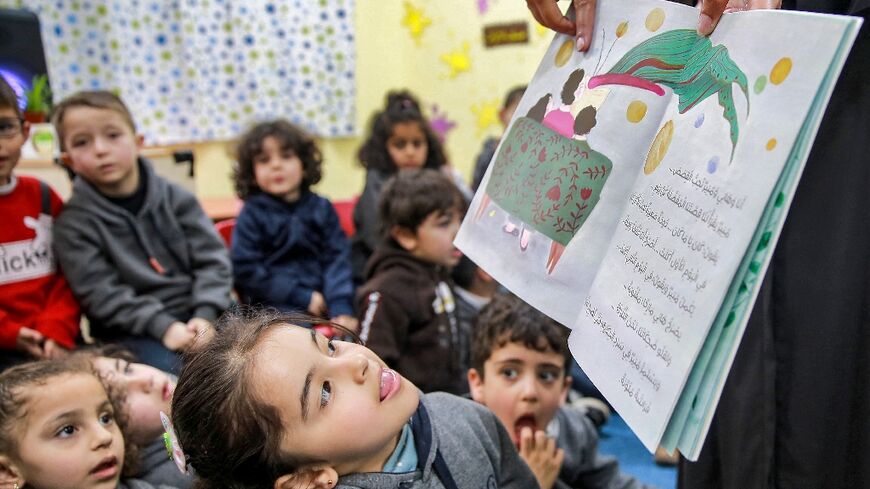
(46, 197)
(422, 428)
(443, 471)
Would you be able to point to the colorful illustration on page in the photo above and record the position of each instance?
(686, 63)
(545, 176)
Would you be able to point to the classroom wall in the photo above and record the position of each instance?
(407, 44)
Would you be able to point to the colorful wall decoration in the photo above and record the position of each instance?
(443, 48)
(197, 71)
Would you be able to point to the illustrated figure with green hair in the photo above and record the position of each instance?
(686, 63)
(548, 177)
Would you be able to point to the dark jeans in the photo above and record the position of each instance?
(152, 352)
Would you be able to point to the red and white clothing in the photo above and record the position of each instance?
(33, 293)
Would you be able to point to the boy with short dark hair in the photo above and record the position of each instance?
(407, 307)
(519, 368)
(139, 252)
(39, 317)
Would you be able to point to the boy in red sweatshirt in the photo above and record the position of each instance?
(39, 317)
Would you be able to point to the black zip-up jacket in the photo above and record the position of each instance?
(408, 317)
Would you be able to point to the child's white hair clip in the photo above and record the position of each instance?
(172, 444)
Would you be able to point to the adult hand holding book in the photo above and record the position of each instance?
(649, 179)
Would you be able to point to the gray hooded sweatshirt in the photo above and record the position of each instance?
(136, 274)
(156, 468)
(583, 466)
(460, 445)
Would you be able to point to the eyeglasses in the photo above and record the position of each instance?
(10, 127)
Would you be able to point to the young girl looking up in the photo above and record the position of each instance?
(399, 137)
(58, 429)
(143, 392)
(270, 403)
(288, 251)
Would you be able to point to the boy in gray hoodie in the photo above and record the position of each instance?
(139, 253)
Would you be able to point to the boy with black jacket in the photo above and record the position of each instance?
(408, 313)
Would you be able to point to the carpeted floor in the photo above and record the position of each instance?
(634, 459)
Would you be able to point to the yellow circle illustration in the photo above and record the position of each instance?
(655, 19)
(621, 29)
(780, 71)
(659, 148)
(564, 53)
(636, 111)
(771, 143)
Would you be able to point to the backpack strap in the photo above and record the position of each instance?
(422, 428)
(46, 197)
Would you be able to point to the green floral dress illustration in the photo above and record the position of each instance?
(549, 182)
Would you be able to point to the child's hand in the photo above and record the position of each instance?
(30, 341)
(178, 336)
(348, 322)
(202, 328)
(540, 453)
(52, 350)
(317, 305)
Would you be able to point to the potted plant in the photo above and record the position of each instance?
(38, 100)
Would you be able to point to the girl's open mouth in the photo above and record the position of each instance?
(106, 469)
(390, 383)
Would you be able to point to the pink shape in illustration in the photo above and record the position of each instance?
(627, 80)
(482, 6)
(440, 124)
(554, 193)
(560, 121)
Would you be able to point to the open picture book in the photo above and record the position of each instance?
(639, 191)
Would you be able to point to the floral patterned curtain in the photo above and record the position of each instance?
(193, 70)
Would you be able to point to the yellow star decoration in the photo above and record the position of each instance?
(458, 60)
(416, 21)
(487, 115)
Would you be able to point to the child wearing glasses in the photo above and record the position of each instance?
(39, 317)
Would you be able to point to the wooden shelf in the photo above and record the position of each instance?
(220, 208)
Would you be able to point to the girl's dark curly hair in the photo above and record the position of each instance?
(290, 137)
(401, 106)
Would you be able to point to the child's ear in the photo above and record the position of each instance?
(10, 476)
(406, 237)
(25, 130)
(140, 141)
(563, 398)
(316, 477)
(475, 384)
(483, 276)
(64, 159)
